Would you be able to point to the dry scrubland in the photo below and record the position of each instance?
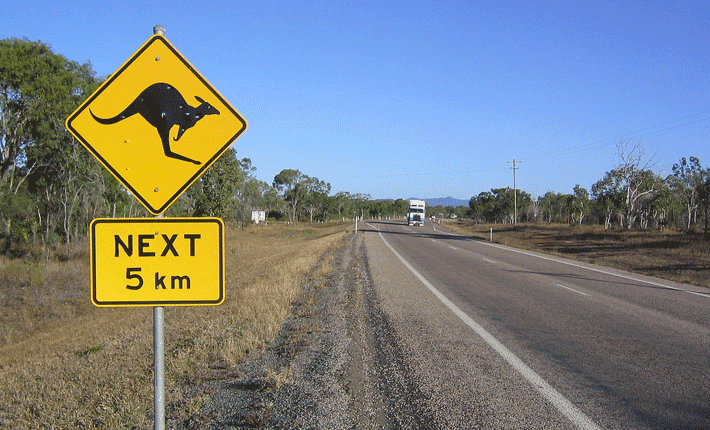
(66, 364)
(677, 256)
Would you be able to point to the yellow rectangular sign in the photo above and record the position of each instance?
(157, 261)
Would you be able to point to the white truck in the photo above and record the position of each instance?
(416, 214)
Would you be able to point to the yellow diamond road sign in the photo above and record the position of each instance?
(157, 261)
(156, 124)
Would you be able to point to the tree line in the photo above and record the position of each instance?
(629, 196)
(51, 187)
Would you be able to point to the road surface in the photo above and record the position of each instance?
(494, 337)
(416, 328)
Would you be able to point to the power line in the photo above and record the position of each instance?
(612, 140)
(595, 144)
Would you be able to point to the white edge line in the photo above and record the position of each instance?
(694, 292)
(593, 269)
(571, 289)
(563, 405)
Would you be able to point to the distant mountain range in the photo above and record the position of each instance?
(443, 201)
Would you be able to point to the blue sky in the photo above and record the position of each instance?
(399, 99)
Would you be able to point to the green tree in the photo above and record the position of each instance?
(400, 207)
(661, 208)
(214, 192)
(687, 179)
(704, 198)
(485, 206)
(609, 198)
(291, 185)
(340, 202)
(498, 204)
(580, 205)
(316, 197)
(554, 207)
(460, 212)
(631, 180)
(252, 195)
(361, 204)
(38, 90)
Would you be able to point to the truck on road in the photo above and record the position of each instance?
(416, 214)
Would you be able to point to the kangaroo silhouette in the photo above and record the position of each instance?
(163, 107)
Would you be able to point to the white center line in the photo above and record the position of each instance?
(490, 261)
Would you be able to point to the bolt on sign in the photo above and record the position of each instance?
(156, 124)
(157, 261)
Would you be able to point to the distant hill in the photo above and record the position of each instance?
(443, 201)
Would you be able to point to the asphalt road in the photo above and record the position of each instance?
(492, 337)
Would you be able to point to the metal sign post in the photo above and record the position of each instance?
(159, 343)
(158, 368)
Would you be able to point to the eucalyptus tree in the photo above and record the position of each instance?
(316, 198)
(340, 202)
(498, 204)
(687, 181)
(580, 205)
(484, 206)
(361, 204)
(632, 180)
(554, 207)
(400, 207)
(38, 90)
(291, 186)
(608, 196)
(213, 193)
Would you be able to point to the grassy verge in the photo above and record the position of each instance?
(67, 364)
(677, 256)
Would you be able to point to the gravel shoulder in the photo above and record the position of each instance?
(305, 378)
(336, 364)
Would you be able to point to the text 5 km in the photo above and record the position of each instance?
(132, 273)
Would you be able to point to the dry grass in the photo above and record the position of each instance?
(677, 256)
(67, 364)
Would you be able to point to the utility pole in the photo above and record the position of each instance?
(515, 191)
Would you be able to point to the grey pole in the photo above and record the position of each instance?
(159, 343)
(159, 368)
(515, 191)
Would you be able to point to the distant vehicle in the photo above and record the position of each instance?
(416, 214)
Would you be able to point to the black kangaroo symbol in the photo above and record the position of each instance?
(163, 107)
